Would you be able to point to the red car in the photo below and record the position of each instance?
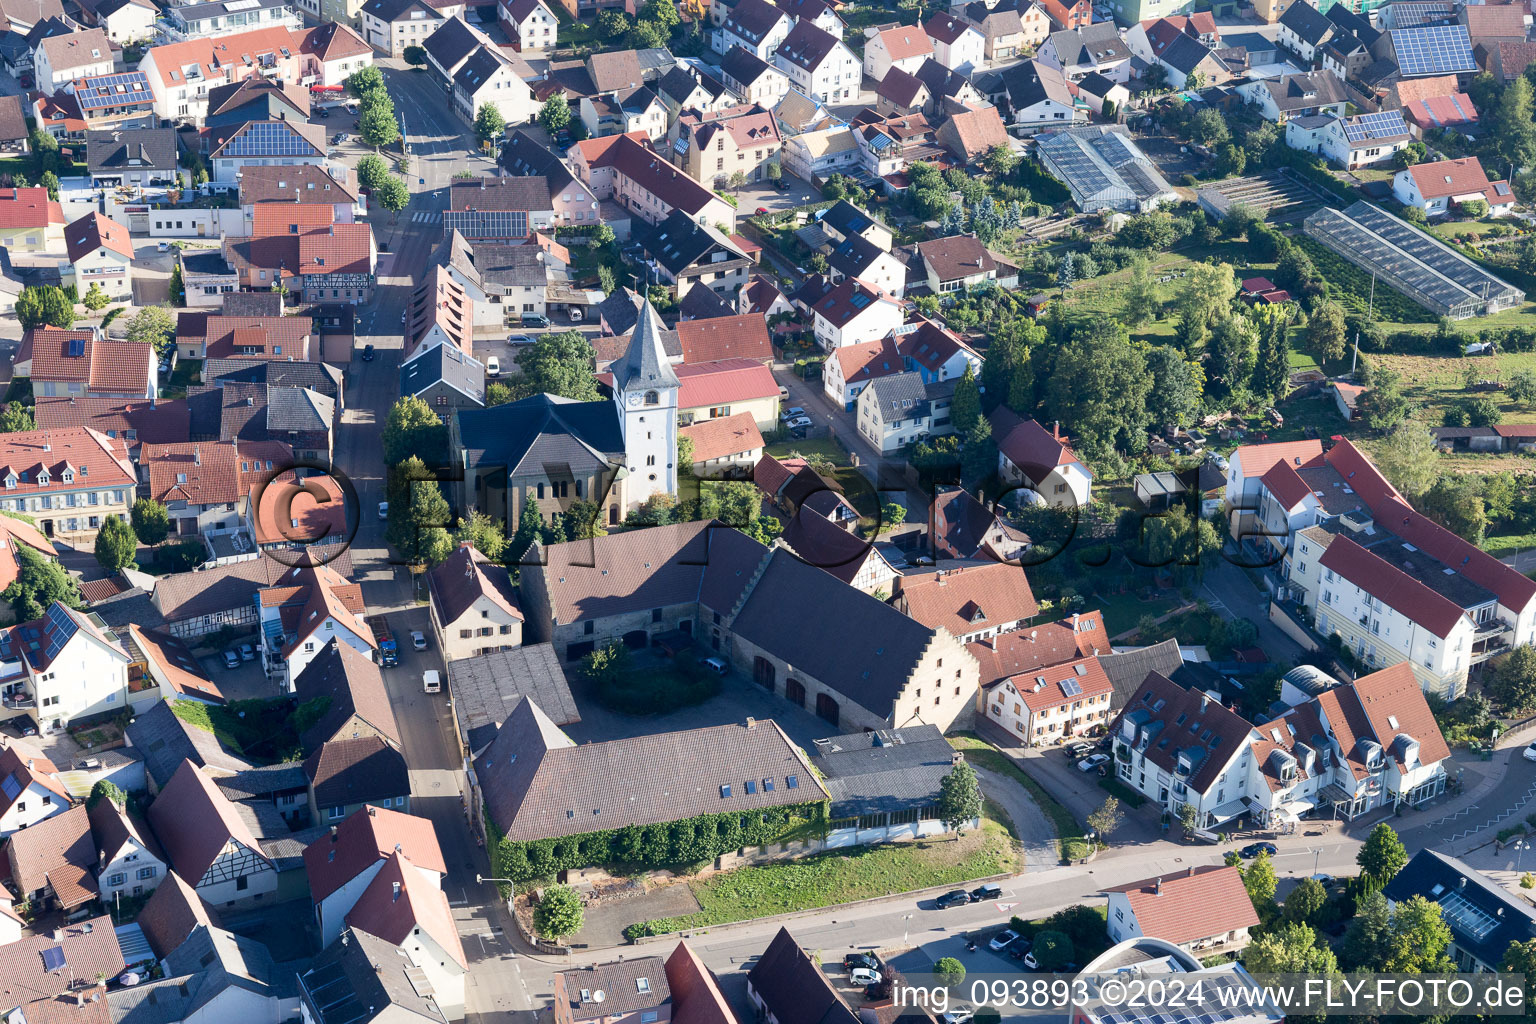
(762, 210)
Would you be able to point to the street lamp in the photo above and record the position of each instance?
(1521, 845)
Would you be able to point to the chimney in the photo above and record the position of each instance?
(1191, 872)
(1159, 888)
(371, 810)
(751, 723)
(955, 757)
(1205, 700)
(197, 456)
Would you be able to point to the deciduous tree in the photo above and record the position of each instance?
(555, 114)
(486, 535)
(1107, 818)
(416, 56)
(1382, 855)
(16, 417)
(376, 125)
(153, 325)
(959, 796)
(371, 171)
(39, 582)
(1304, 901)
(1325, 332)
(1098, 387)
(965, 406)
(393, 194)
(949, 971)
(489, 123)
(150, 520)
(1512, 682)
(559, 364)
(365, 80)
(559, 913)
(1260, 881)
(115, 544)
(413, 428)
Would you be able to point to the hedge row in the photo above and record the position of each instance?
(688, 841)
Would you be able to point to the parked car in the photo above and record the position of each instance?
(247, 652)
(418, 640)
(231, 659)
(959, 1015)
(535, 320)
(761, 210)
(383, 510)
(798, 423)
(790, 413)
(986, 892)
(1002, 939)
(322, 112)
(576, 314)
(1093, 761)
(780, 185)
(1530, 752)
(1079, 749)
(431, 682)
(1325, 880)
(367, 353)
(865, 960)
(338, 138)
(1030, 962)
(1019, 950)
(864, 976)
(715, 665)
(163, 247)
(519, 339)
(492, 366)
(1252, 850)
(953, 898)
(783, 393)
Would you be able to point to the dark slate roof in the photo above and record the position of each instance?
(1357, 25)
(899, 396)
(703, 303)
(846, 218)
(620, 310)
(742, 65)
(524, 155)
(223, 959)
(300, 374)
(888, 770)
(539, 784)
(252, 304)
(678, 242)
(1127, 670)
(1306, 22)
(793, 987)
(1185, 53)
(940, 80)
(266, 781)
(444, 364)
(355, 687)
(1483, 917)
(164, 741)
(1090, 44)
(1096, 84)
(360, 979)
(807, 46)
(853, 256)
(860, 646)
(299, 409)
(482, 64)
(488, 686)
(543, 428)
(753, 19)
(356, 771)
(131, 149)
(452, 42)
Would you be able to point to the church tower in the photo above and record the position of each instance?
(645, 391)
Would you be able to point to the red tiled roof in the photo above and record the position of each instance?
(1454, 178)
(79, 450)
(1199, 903)
(1410, 89)
(1256, 459)
(771, 474)
(93, 231)
(289, 510)
(232, 337)
(56, 853)
(1393, 702)
(96, 591)
(1215, 734)
(216, 54)
(864, 362)
(1028, 445)
(209, 472)
(194, 822)
(341, 249)
(175, 661)
(724, 381)
(103, 365)
(1286, 485)
(969, 599)
(1442, 111)
(652, 173)
(725, 337)
(152, 421)
(29, 208)
(1046, 687)
(1027, 650)
(399, 901)
(723, 436)
(906, 41)
(1392, 586)
(695, 991)
(364, 838)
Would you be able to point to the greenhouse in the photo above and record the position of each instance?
(1419, 266)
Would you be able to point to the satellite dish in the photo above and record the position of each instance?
(599, 996)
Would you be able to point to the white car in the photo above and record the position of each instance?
(959, 1015)
(576, 314)
(864, 976)
(383, 510)
(1530, 752)
(431, 682)
(797, 422)
(492, 366)
(1093, 761)
(1002, 939)
(418, 640)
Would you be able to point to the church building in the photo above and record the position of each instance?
(556, 451)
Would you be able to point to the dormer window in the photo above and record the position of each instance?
(69, 476)
(10, 480)
(43, 477)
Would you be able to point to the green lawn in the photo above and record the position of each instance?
(1123, 611)
(266, 731)
(983, 755)
(1434, 382)
(844, 876)
(825, 447)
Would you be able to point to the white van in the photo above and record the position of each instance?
(715, 665)
(431, 682)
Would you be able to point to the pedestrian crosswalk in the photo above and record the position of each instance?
(426, 216)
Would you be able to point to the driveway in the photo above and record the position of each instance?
(1232, 594)
(1034, 830)
(603, 923)
(248, 682)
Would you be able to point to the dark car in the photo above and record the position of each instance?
(535, 320)
(953, 898)
(781, 185)
(864, 960)
(1019, 948)
(322, 112)
(367, 353)
(986, 892)
(1252, 850)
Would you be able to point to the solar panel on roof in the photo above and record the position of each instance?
(76, 348)
(1433, 50)
(269, 138)
(1384, 124)
(53, 958)
(1070, 688)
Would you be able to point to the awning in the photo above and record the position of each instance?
(1227, 811)
(327, 88)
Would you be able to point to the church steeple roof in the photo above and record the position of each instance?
(645, 362)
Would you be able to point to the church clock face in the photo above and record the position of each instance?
(634, 399)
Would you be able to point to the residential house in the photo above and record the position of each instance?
(85, 651)
(1068, 14)
(88, 947)
(217, 973)
(1278, 99)
(687, 254)
(16, 535)
(91, 368)
(1010, 27)
(1360, 141)
(163, 668)
(299, 183)
(332, 50)
(73, 477)
(889, 145)
(956, 264)
(389, 26)
(752, 78)
(902, 93)
(756, 26)
(245, 338)
(107, 102)
(726, 387)
(1172, 44)
(842, 219)
(622, 168)
(904, 47)
(1039, 97)
(1204, 910)
(1303, 30)
(255, 99)
(632, 989)
(204, 486)
(486, 686)
(473, 605)
(369, 979)
(817, 155)
(530, 25)
(30, 791)
(786, 985)
(637, 110)
(1052, 704)
(208, 842)
(444, 377)
(817, 540)
(900, 410)
(302, 620)
(571, 202)
(348, 775)
(342, 865)
(974, 602)
(863, 260)
(1032, 457)
(282, 143)
(1078, 52)
(99, 253)
(714, 147)
(181, 21)
(182, 74)
(1436, 187)
(128, 860)
(30, 222)
(505, 210)
(818, 64)
(970, 135)
(58, 60)
(1484, 918)
(794, 487)
(139, 157)
(724, 445)
(123, 21)
(52, 864)
(136, 422)
(948, 91)
(962, 527)
(850, 368)
(688, 88)
(1454, 113)
(164, 740)
(885, 785)
(488, 79)
(450, 45)
(852, 312)
(304, 243)
(957, 44)
(695, 572)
